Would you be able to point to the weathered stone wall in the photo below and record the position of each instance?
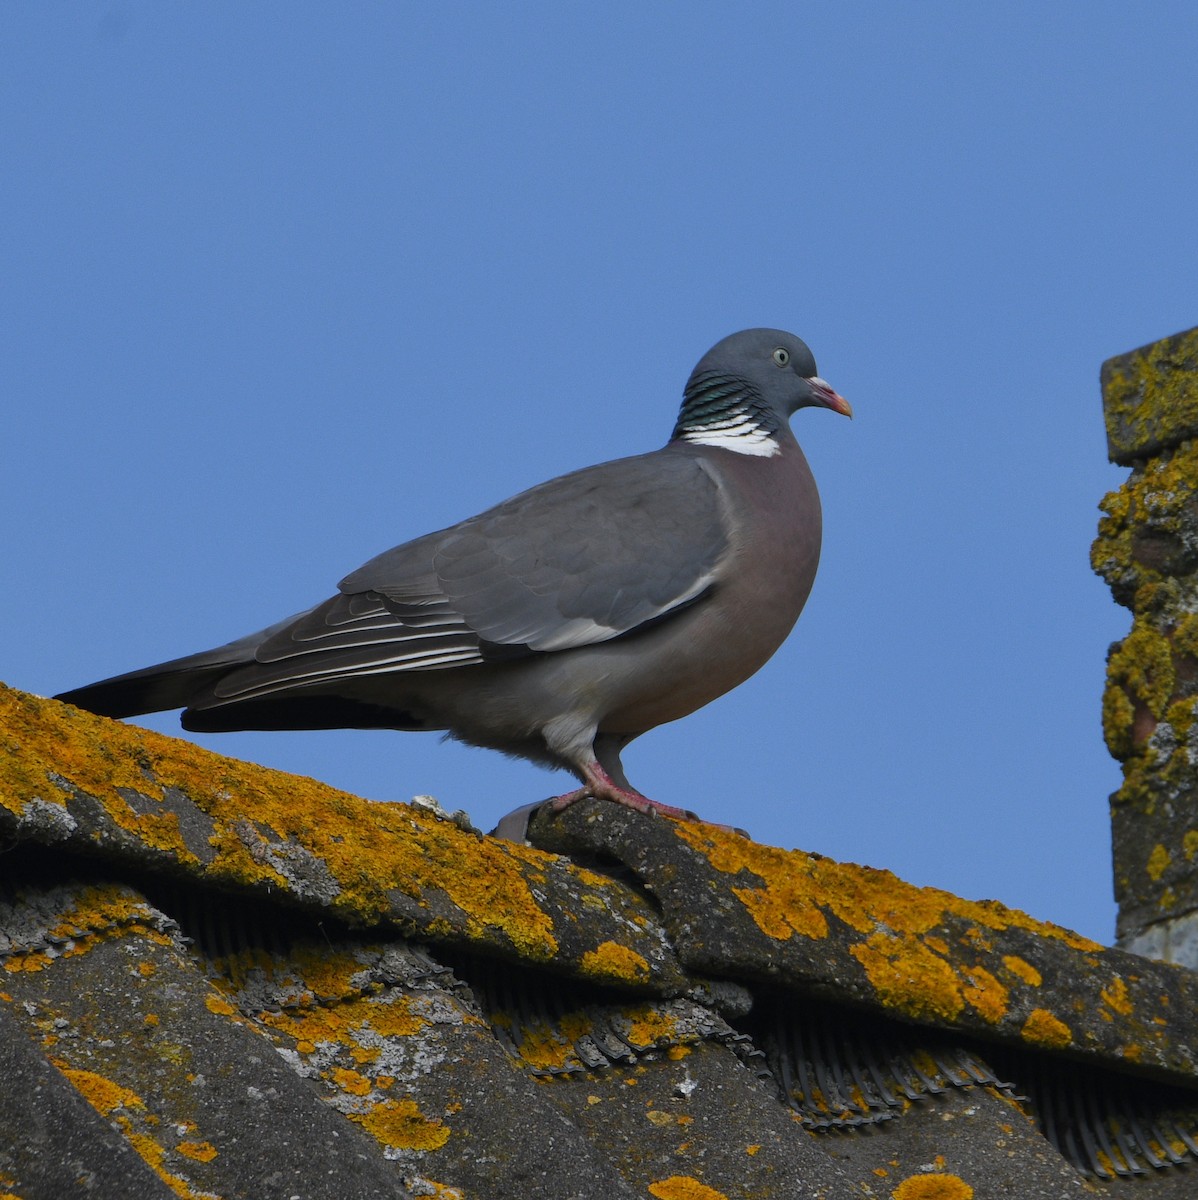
(1147, 550)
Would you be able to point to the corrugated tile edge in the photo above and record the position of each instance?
(101, 788)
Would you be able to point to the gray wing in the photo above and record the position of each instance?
(581, 559)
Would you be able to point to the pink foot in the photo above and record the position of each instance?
(632, 800)
(601, 787)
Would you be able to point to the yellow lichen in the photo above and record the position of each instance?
(610, 960)
(1158, 862)
(392, 1016)
(683, 1187)
(1143, 665)
(933, 1187)
(1043, 1029)
(401, 1125)
(97, 913)
(1146, 398)
(29, 961)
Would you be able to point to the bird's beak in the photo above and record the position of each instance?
(822, 393)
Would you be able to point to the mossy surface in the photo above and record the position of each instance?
(1147, 550)
(786, 918)
(1150, 397)
(67, 776)
(730, 909)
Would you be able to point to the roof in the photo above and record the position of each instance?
(221, 980)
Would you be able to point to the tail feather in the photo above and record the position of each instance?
(152, 689)
(178, 683)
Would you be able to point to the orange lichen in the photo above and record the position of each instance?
(909, 951)
(97, 913)
(354, 1025)
(1116, 997)
(1043, 1029)
(102, 1094)
(391, 1016)
(985, 994)
(217, 1004)
(155, 1156)
(908, 976)
(353, 1082)
(1025, 970)
(548, 1046)
(610, 960)
(200, 1151)
(649, 1026)
(933, 1187)
(779, 915)
(683, 1187)
(862, 897)
(30, 960)
(401, 1125)
(369, 850)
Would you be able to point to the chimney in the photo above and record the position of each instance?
(1147, 551)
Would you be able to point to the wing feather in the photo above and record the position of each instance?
(582, 559)
(579, 560)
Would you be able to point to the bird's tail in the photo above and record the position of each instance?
(158, 688)
(178, 683)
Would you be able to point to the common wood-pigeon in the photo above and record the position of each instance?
(566, 621)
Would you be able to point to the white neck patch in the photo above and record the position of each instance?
(737, 432)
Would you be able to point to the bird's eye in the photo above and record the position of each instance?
(781, 357)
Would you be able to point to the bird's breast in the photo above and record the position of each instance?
(775, 529)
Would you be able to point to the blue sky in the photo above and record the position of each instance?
(286, 284)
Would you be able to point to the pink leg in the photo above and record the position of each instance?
(600, 786)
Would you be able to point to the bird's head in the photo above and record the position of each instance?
(780, 367)
(746, 388)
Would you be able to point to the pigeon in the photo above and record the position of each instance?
(565, 622)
